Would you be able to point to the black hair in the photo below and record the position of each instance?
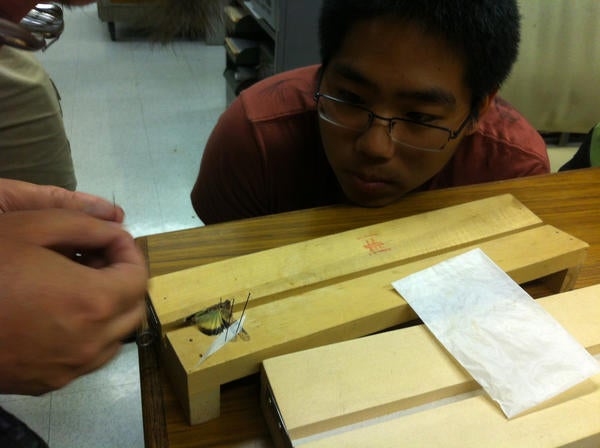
(485, 33)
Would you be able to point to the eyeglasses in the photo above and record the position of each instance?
(411, 133)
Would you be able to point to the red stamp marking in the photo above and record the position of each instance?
(375, 246)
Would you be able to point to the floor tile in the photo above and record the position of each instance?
(121, 370)
(97, 418)
(33, 411)
(138, 115)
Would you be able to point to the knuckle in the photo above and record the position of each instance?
(88, 354)
(105, 309)
(58, 194)
(57, 381)
(101, 307)
(84, 354)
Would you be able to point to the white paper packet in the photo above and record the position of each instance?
(517, 352)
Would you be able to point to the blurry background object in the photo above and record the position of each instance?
(46, 21)
(166, 20)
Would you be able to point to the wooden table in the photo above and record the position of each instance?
(569, 201)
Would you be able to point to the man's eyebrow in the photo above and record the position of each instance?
(433, 95)
(351, 74)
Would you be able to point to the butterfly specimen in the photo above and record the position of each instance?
(214, 319)
(217, 318)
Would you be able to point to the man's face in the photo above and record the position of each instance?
(394, 70)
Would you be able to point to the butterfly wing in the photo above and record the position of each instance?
(215, 319)
(209, 321)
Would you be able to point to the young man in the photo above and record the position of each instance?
(405, 100)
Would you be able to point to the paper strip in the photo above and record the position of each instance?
(223, 338)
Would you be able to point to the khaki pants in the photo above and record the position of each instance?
(33, 143)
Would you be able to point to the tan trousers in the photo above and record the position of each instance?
(33, 143)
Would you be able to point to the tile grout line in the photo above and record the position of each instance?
(49, 432)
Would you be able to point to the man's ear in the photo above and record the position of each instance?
(484, 105)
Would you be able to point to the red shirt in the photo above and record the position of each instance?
(265, 154)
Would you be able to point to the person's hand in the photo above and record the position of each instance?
(16, 195)
(59, 318)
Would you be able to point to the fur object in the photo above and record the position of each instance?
(191, 19)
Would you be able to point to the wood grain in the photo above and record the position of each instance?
(271, 274)
(337, 287)
(475, 423)
(348, 309)
(569, 201)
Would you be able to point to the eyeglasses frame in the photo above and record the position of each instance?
(372, 115)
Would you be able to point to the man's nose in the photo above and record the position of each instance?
(375, 142)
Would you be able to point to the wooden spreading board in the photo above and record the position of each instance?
(337, 287)
(321, 393)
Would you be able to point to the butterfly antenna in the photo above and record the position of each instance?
(229, 318)
(243, 311)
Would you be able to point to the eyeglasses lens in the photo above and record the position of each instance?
(356, 118)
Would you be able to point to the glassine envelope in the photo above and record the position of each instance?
(517, 352)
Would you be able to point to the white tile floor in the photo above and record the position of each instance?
(138, 115)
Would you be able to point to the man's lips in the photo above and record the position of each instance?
(370, 178)
(368, 184)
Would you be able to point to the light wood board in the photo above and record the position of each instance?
(335, 288)
(354, 307)
(330, 387)
(328, 259)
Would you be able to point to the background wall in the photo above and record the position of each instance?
(556, 80)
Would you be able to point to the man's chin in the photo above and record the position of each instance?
(372, 202)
